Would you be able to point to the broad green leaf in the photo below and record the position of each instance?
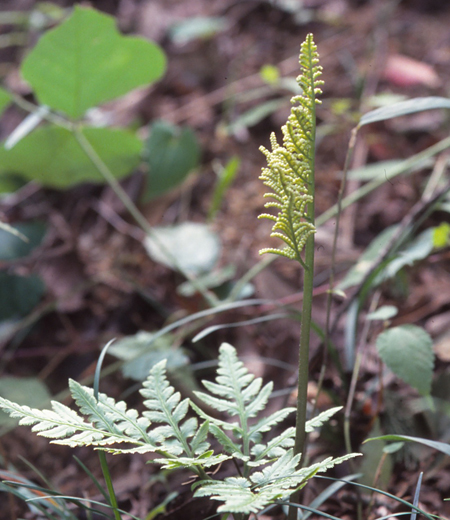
(403, 108)
(172, 153)
(13, 246)
(28, 391)
(440, 446)
(10, 183)
(85, 62)
(5, 99)
(52, 156)
(191, 246)
(19, 294)
(408, 351)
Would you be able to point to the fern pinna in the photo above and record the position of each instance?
(268, 469)
(290, 167)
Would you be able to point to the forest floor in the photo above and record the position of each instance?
(101, 283)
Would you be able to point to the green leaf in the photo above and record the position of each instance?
(85, 62)
(226, 175)
(408, 351)
(319, 420)
(192, 246)
(275, 448)
(52, 156)
(403, 108)
(164, 406)
(14, 246)
(28, 391)
(5, 99)
(10, 183)
(172, 152)
(19, 294)
(236, 391)
(439, 446)
(227, 443)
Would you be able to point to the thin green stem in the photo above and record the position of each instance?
(305, 332)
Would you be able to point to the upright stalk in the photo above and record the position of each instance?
(290, 175)
(303, 356)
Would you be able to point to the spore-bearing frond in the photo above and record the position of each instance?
(290, 167)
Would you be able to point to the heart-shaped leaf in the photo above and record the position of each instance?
(85, 62)
(408, 351)
(52, 156)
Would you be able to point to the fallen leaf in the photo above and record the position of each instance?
(407, 72)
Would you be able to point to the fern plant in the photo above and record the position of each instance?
(267, 468)
(290, 176)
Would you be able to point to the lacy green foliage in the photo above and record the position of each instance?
(268, 468)
(291, 167)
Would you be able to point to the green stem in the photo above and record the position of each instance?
(303, 361)
(305, 332)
